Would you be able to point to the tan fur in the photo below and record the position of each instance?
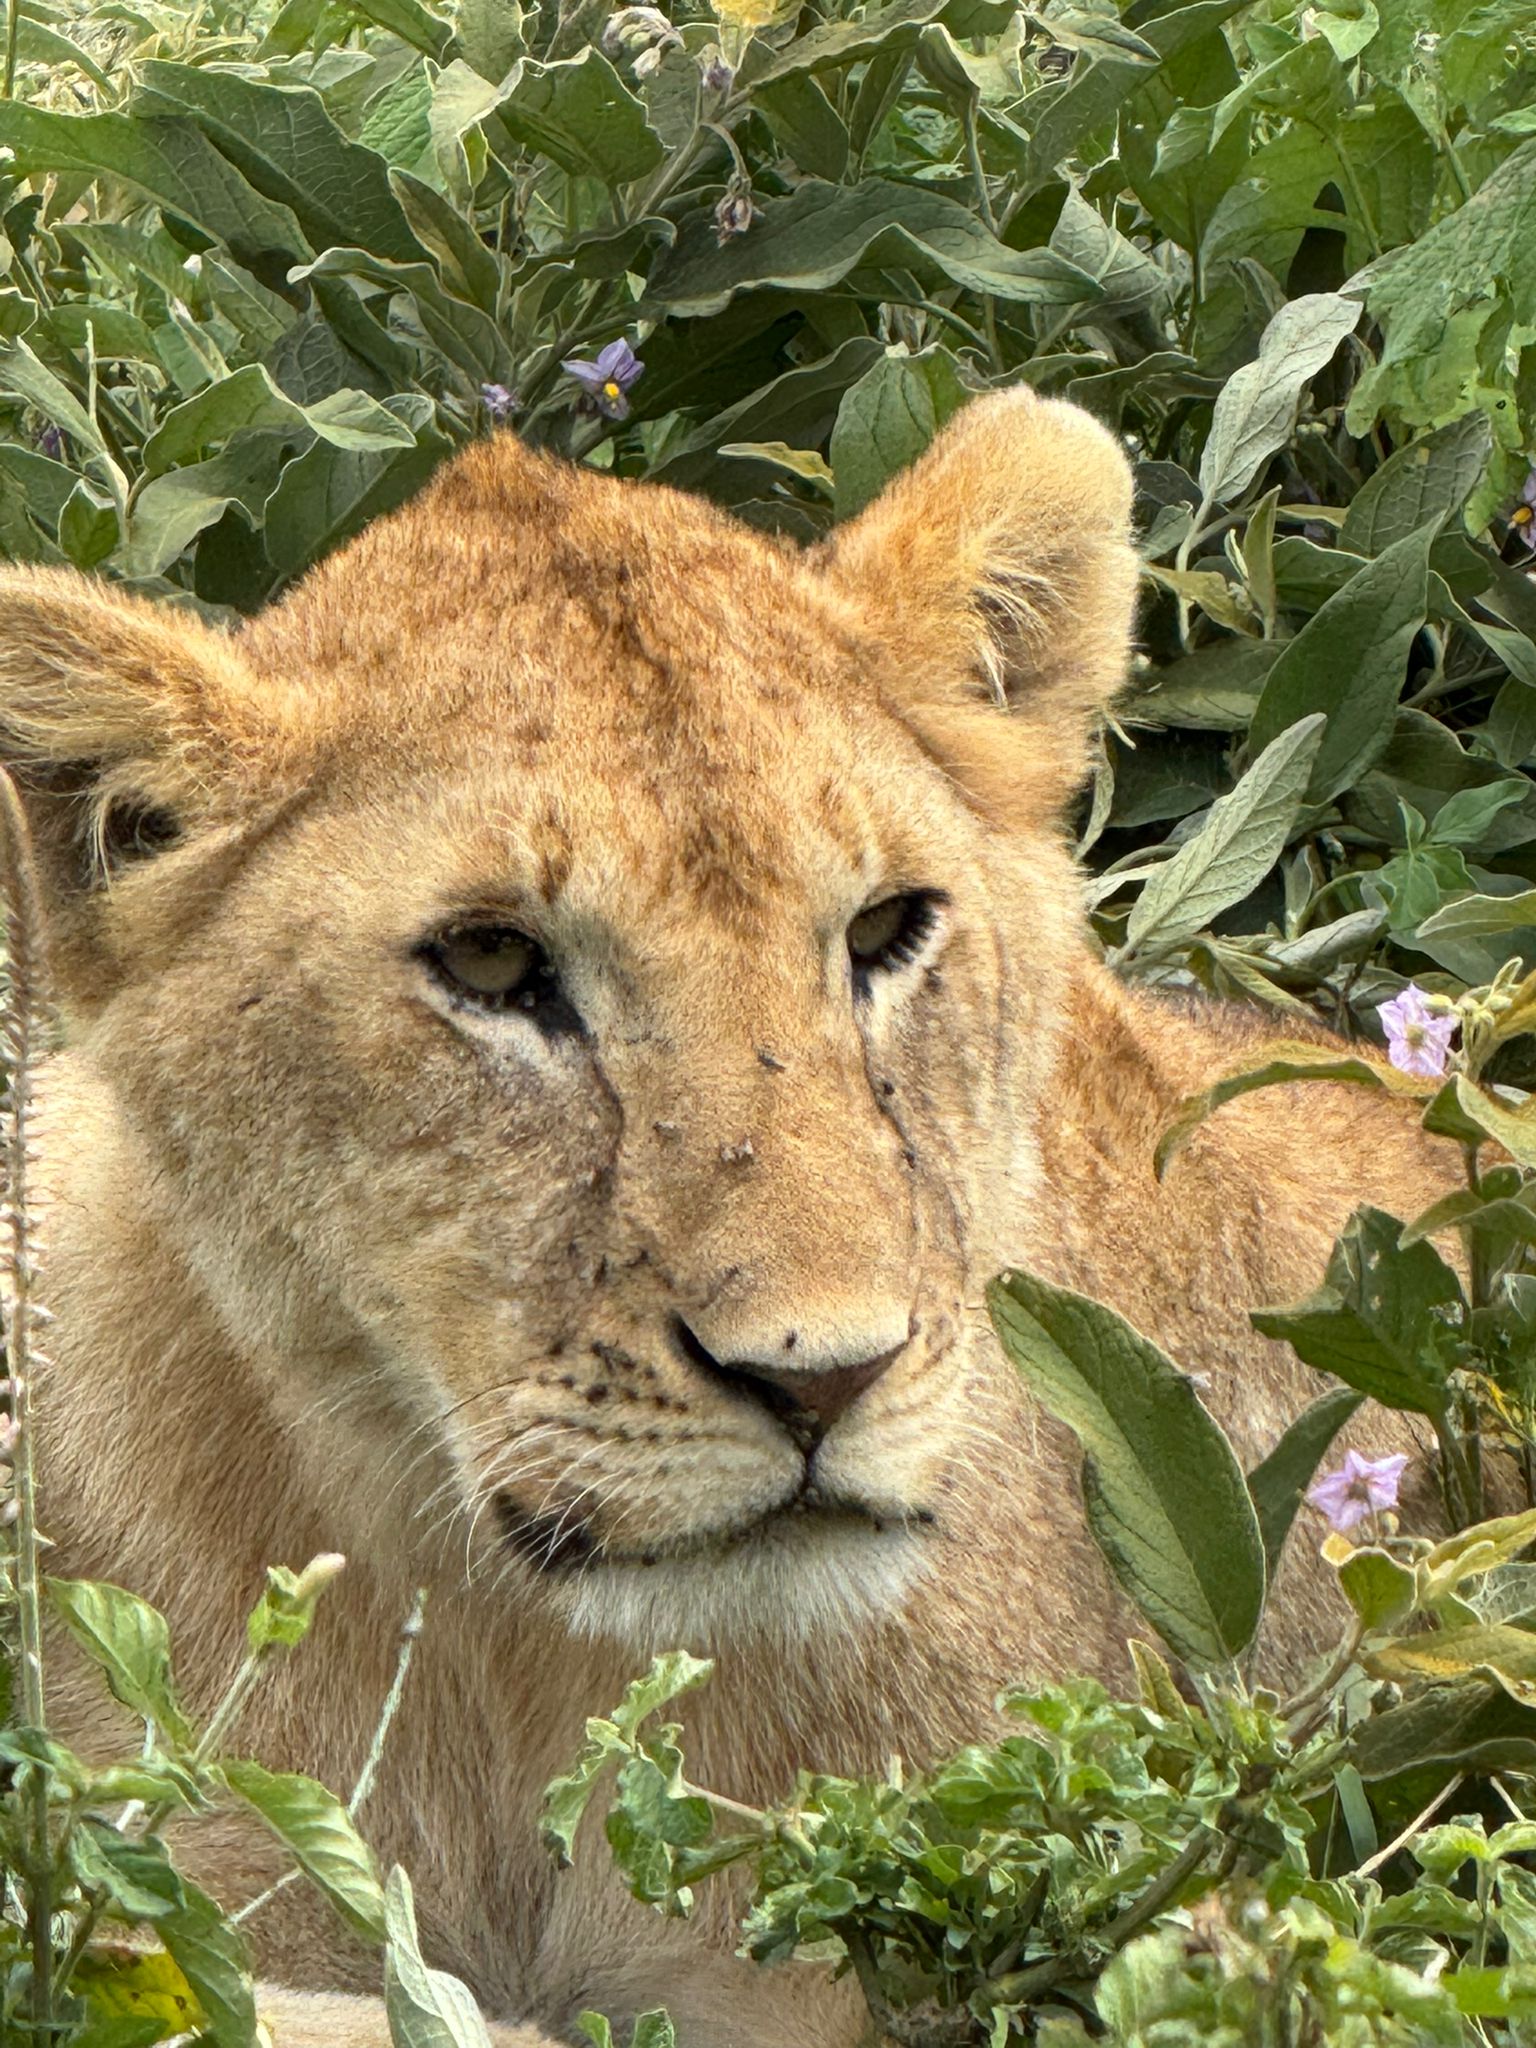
(336, 1264)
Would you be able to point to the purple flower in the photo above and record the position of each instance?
(717, 74)
(1418, 1040)
(51, 441)
(499, 402)
(1522, 520)
(1360, 1487)
(606, 380)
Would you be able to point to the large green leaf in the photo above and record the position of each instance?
(130, 1643)
(1256, 411)
(888, 418)
(249, 398)
(1421, 485)
(329, 493)
(316, 1829)
(171, 162)
(1350, 661)
(286, 146)
(211, 1956)
(1234, 849)
(1166, 1499)
(581, 115)
(172, 510)
(427, 2008)
(812, 240)
(1385, 1319)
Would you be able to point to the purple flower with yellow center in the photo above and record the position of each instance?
(1360, 1487)
(607, 379)
(1418, 1038)
(1522, 520)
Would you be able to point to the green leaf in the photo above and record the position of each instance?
(23, 372)
(1385, 1319)
(1240, 841)
(1421, 485)
(409, 20)
(88, 528)
(1380, 1590)
(810, 242)
(669, 1677)
(1471, 916)
(580, 114)
(888, 418)
(1166, 1499)
(1507, 1655)
(318, 1833)
(249, 398)
(329, 493)
(806, 124)
(286, 147)
(653, 2030)
(130, 1643)
(596, 2029)
(1453, 273)
(1284, 1064)
(1277, 1485)
(1457, 1726)
(211, 1956)
(1349, 661)
(427, 2008)
(831, 45)
(1514, 1129)
(170, 162)
(171, 511)
(137, 1876)
(1256, 412)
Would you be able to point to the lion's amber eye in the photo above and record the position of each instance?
(889, 934)
(490, 962)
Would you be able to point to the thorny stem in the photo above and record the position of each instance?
(22, 1027)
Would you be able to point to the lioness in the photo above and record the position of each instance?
(564, 1015)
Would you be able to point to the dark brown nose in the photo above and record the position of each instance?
(806, 1400)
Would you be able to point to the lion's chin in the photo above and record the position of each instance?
(788, 1578)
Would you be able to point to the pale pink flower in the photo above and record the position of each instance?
(1360, 1487)
(1418, 1039)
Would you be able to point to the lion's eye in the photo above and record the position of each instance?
(887, 935)
(492, 964)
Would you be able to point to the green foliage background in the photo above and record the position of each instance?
(266, 266)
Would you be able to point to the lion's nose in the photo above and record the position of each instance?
(805, 1398)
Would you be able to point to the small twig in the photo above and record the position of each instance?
(410, 1635)
(1401, 1841)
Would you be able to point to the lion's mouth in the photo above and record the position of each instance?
(560, 1544)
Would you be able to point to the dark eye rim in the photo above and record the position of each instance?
(537, 994)
(922, 909)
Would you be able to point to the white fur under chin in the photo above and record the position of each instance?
(782, 1585)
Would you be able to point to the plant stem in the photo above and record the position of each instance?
(22, 1027)
(12, 38)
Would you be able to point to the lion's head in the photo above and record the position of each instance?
(580, 974)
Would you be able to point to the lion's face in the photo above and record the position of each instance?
(592, 1037)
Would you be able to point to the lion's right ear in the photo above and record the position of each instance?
(120, 722)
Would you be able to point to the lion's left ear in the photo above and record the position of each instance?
(1000, 567)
